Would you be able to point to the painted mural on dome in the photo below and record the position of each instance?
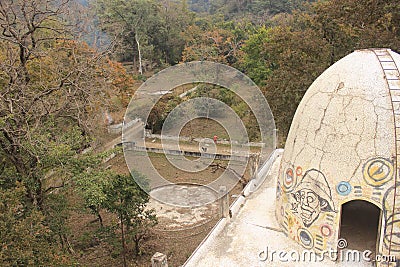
(311, 197)
(345, 134)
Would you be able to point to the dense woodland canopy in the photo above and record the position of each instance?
(282, 45)
(61, 68)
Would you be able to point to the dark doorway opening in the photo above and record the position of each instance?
(359, 225)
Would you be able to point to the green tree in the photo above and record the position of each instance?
(148, 30)
(53, 92)
(215, 40)
(175, 18)
(287, 57)
(199, 6)
(133, 20)
(257, 10)
(91, 185)
(298, 58)
(128, 201)
(255, 60)
(52, 96)
(160, 112)
(24, 234)
(349, 25)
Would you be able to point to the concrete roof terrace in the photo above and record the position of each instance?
(253, 233)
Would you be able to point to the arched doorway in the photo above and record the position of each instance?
(359, 225)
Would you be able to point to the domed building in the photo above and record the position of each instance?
(339, 176)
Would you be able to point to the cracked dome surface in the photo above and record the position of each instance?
(341, 147)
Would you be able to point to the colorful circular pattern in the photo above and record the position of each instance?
(344, 188)
(299, 171)
(378, 171)
(289, 180)
(326, 230)
(305, 238)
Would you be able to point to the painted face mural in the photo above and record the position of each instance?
(311, 197)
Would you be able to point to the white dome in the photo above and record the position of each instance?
(342, 146)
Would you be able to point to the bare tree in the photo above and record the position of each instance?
(51, 86)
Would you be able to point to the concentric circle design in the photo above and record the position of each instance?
(344, 188)
(221, 113)
(146, 98)
(299, 171)
(342, 243)
(289, 180)
(326, 230)
(305, 238)
(378, 171)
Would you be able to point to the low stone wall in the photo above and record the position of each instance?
(114, 128)
(198, 140)
(132, 146)
(117, 128)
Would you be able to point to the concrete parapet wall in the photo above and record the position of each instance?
(199, 140)
(117, 128)
(132, 146)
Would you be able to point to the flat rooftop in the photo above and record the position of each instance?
(253, 233)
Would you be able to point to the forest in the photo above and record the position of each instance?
(64, 63)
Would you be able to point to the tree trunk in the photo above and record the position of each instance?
(140, 54)
(69, 247)
(123, 241)
(137, 250)
(99, 218)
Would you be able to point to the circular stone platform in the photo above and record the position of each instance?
(184, 195)
(190, 209)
